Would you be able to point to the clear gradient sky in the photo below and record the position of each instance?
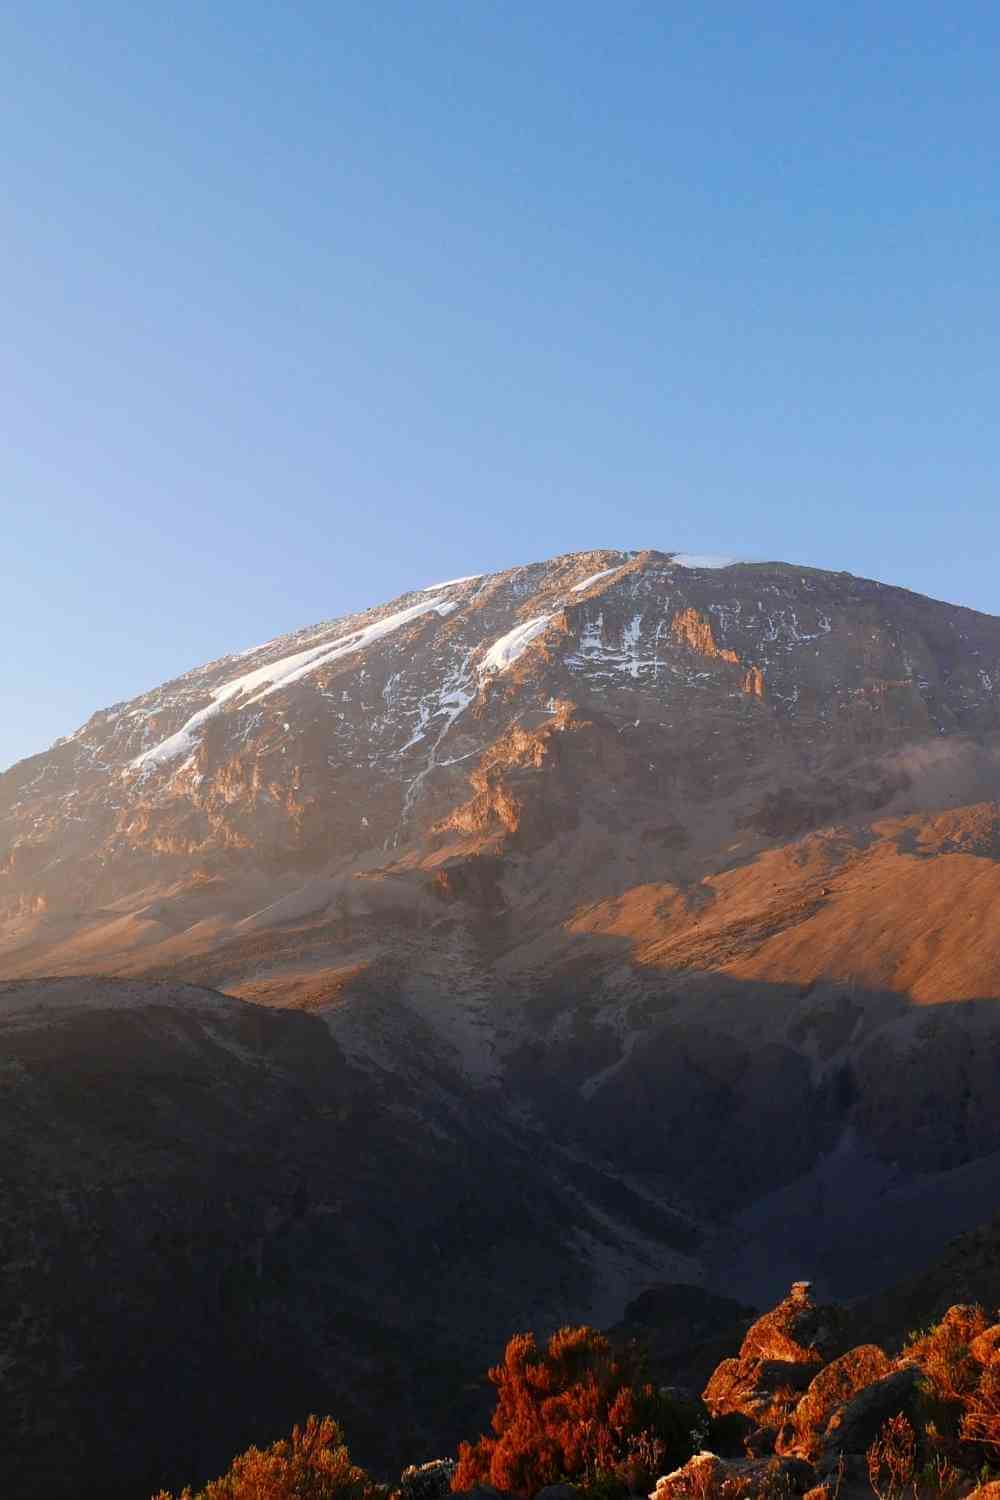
(306, 304)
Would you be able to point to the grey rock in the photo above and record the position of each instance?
(430, 1481)
(750, 1478)
(854, 1427)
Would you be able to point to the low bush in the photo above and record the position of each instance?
(313, 1464)
(575, 1411)
(942, 1352)
(892, 1459)
(981, 1420)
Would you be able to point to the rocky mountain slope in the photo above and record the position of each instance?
(671, 853)
(681, 878)
(582, 696)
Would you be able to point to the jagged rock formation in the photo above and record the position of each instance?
(777, 1361)
(813, 1422)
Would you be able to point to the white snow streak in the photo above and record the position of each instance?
(280, 674)
(702, 560)
(454, 698)
(451, 582)
(505, 652)
(578, 588)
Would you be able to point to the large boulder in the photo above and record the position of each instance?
(797, 1331)
(855, 1426)
(765, 1390)
(778, 1358)
(751, 1479)
(430, 1481)
(835, 1385)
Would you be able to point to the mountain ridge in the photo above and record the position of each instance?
(741, 819)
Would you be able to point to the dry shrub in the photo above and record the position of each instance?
(771, 1484)
(708, 1477)
(776, 1483)
(942, 1477)
(981, 1419)
(313, 1464)
(967, 1427)
(943, 1352)
(892, 1459)
(575, 1411)
(707, 1483)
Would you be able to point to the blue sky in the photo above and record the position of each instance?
(308, 304)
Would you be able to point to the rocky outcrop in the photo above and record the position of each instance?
(430, 1481)
(707, 1475)
(862, 1411)
(799, 1330)
(833, 1388)
(777, 1360)
(764, 1389)
(855, 1426)
(691, 628)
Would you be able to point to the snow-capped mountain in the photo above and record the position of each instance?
(556, 815)
(637, 881)
(357, 736)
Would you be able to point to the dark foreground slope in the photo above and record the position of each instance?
(211, 1224)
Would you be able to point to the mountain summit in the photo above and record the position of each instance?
(636, 693)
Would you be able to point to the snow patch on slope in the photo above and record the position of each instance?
(702, 560)
(578, 588)
(506, 651)
(451, 582)
(453, 699)
(280, 674)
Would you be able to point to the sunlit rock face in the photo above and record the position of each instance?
(773, 698)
